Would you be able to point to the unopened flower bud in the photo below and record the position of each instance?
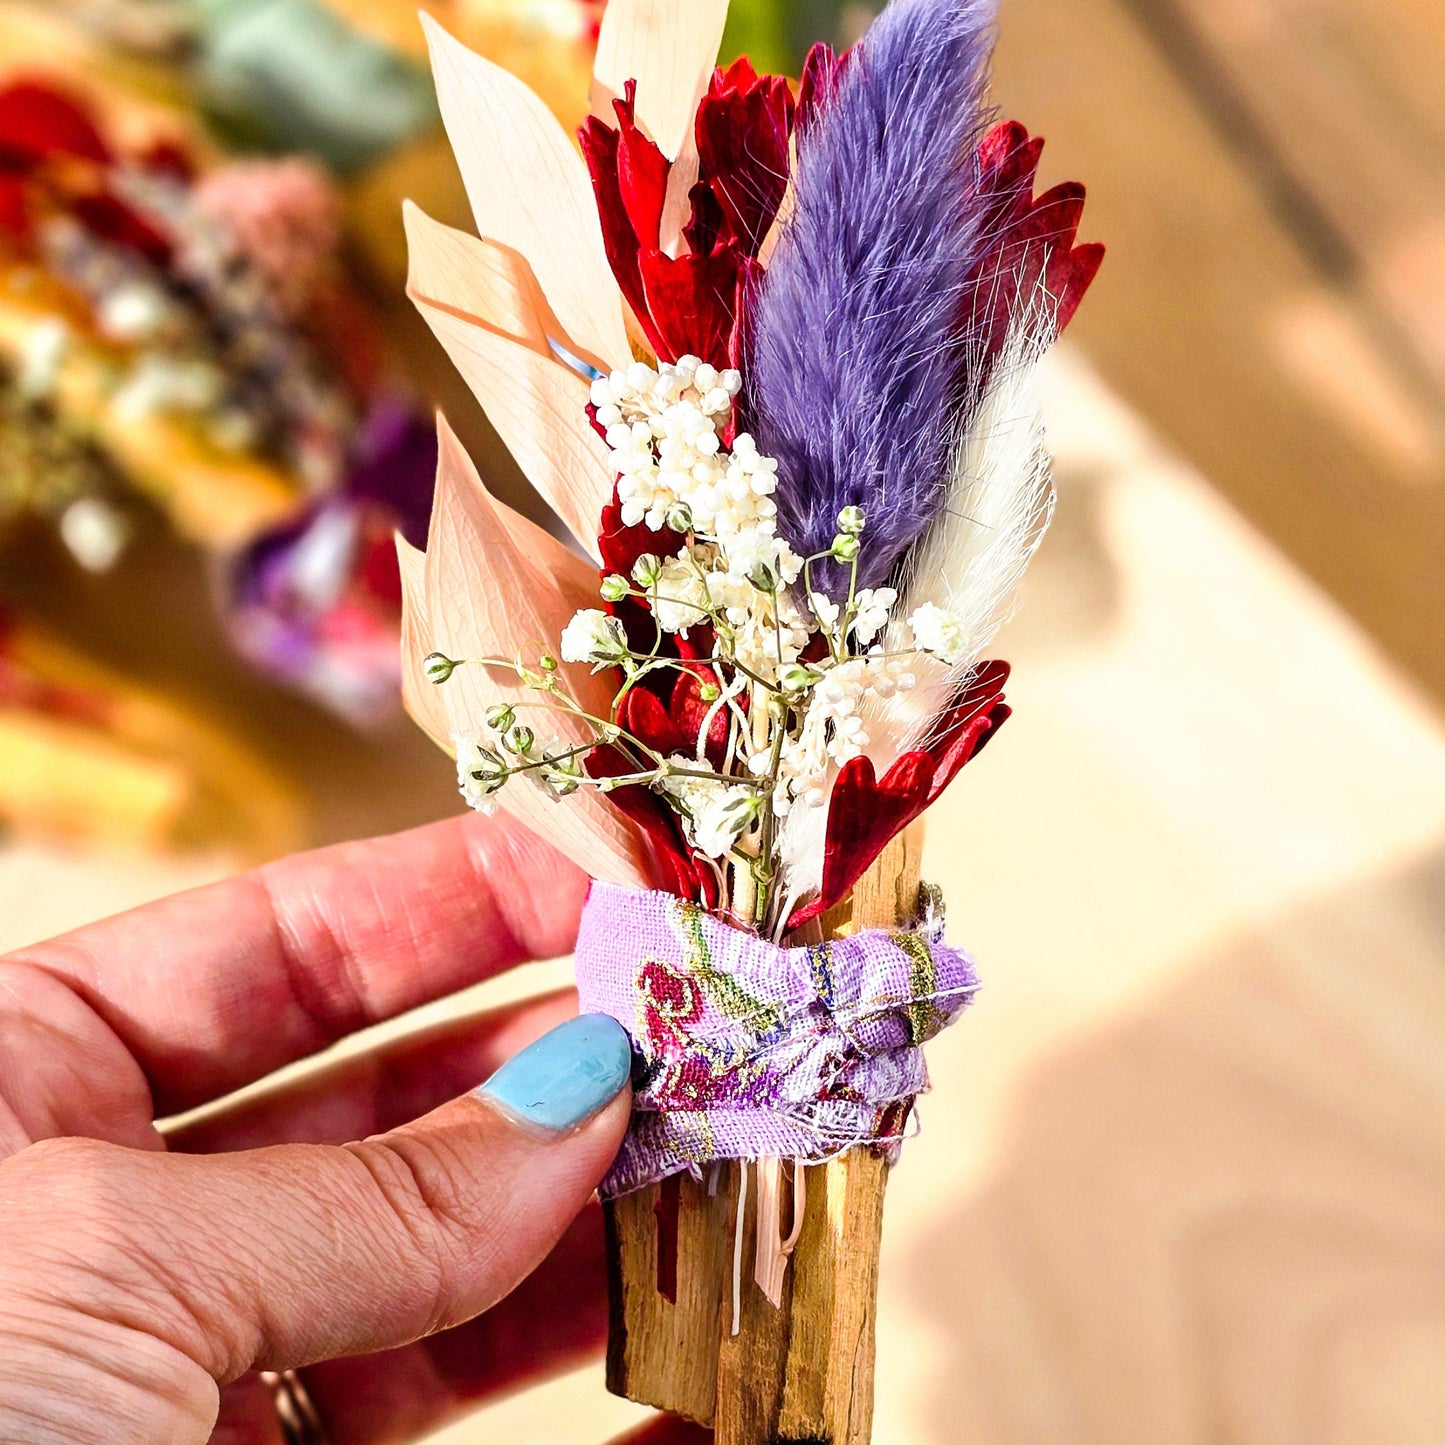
(500, 717)
(797, 678)
(615, 588)
(647, 569)
(547, 662)
(709, 692)
(679, 517)
(518, 740)
(845, 548)
(563, 774)
(852, 520)
(438, 667)
(764, 576)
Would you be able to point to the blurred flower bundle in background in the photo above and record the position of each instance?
(184, 348)
(188, 330)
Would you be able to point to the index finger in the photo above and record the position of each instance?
(215, 988)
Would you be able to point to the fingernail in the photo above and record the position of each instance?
(567, 1075)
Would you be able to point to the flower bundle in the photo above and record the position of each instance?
(767, 351)
(197, 291)
(768, 355)
(187, 328)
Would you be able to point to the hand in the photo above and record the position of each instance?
(145, 1275)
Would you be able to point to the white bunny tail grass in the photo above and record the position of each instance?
(801, 843)
(1001, 500)
(970, 562)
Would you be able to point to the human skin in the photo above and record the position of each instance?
(410, 1246)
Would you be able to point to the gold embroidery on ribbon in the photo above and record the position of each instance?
(725, 993)
(924, 1020)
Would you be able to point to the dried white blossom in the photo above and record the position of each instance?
(665, 430)
(42, 357)
(723, 819)
(680, 597)
(938, 631)
(872, 608)
(715, 814)
(480, 771)
(824, 609)
(593, 636)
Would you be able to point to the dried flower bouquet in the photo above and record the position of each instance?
(768, 353)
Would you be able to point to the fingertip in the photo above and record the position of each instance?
(569, 1076)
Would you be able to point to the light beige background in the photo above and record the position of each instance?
(1182, 1177)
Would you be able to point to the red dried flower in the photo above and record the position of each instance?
(692, 304)
(865, 813)
(1033, 249)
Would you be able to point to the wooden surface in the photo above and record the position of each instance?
(1269, 176)
(805, 1371)
(664, 1352)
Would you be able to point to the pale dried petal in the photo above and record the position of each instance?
(486, 308)
(486, 596)
(669, 49)
(538, 407)
(529, 190)
(421, 697)
(677, 205)
(484, 282)
(480, 281)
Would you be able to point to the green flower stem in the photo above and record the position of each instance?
(535, 763)
(767, 875)
(851, 610)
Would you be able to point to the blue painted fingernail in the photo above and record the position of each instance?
(567, 1075)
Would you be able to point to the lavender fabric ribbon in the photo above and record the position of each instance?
(745, 1050)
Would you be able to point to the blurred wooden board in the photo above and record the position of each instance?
(1255, 304)
(1343, 97)
(153, 622)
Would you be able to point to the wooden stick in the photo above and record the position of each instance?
(802, 1372)
(660, 1351)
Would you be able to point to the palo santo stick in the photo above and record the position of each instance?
(660, 1351)
(802, 1371)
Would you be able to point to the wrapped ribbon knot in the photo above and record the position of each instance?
(748, 1050)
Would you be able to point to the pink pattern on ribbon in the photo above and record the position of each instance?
(746, 1050)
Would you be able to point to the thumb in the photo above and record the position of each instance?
(281, 1256)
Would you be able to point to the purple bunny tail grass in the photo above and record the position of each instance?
(853, 381)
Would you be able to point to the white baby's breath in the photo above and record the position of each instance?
(593, 636)
(680, 597)
(480, 771)
(665, 428)
(714, 814)
(792, 679)
(938, 631)
(872, 608)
